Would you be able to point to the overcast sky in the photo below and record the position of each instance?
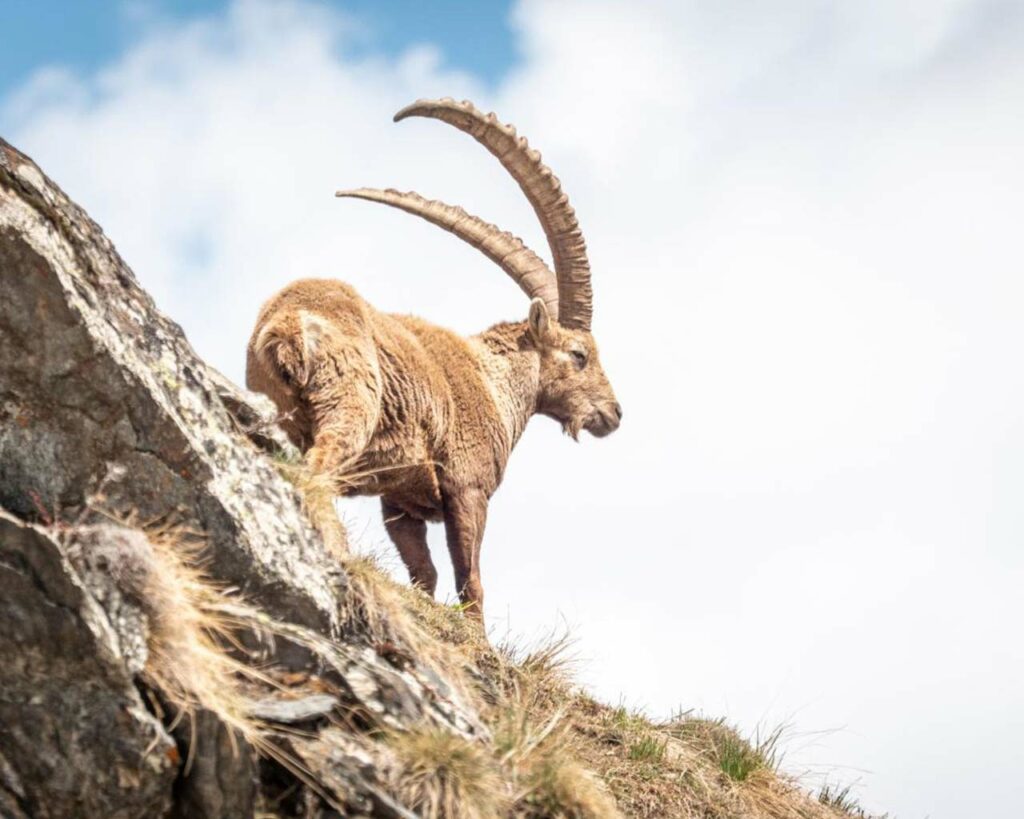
(805, 227)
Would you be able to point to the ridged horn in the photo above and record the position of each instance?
(523, 266)
(542, 189)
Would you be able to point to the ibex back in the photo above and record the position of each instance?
(394, 406)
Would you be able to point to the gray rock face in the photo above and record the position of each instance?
(103, 404)
(93, 374)
(75, 737)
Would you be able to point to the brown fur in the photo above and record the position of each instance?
(394, 406)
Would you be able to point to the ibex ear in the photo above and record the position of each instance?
(540, 321)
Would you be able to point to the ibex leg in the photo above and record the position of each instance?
(344, 395)
(465, 515)
(409, 534)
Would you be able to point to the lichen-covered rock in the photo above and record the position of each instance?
(75, 737)
(92, 373)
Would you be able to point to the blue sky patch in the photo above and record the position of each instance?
(82, 36)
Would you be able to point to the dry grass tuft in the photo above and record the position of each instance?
(541, 763)
(725, 748)
(841, 799)
(444, 776)
(175, 632)
(649, 748)
(194, 656)
(561, 788)
(535, 738)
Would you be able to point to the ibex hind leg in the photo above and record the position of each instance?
(409, 535)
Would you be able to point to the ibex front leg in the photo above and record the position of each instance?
(343, 388)
(465, 515)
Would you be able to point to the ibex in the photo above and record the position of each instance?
(417, 414)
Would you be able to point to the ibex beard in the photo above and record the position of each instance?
(394, 406)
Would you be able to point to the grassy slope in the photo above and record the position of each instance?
(553, 751)
(558, 752)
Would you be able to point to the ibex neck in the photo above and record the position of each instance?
(512, 366)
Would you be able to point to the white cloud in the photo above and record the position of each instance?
(804, 225)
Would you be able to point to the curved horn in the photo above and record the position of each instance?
(542, 188)
(524, 266)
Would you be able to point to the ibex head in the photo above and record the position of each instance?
(573, 388)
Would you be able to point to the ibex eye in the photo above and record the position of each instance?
(579, 358)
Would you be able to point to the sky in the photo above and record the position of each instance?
(804, 223)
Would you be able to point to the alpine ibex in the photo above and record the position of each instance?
(417, 414)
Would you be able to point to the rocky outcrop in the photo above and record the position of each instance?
(92, 374)
(107, 414)
(76, 738)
